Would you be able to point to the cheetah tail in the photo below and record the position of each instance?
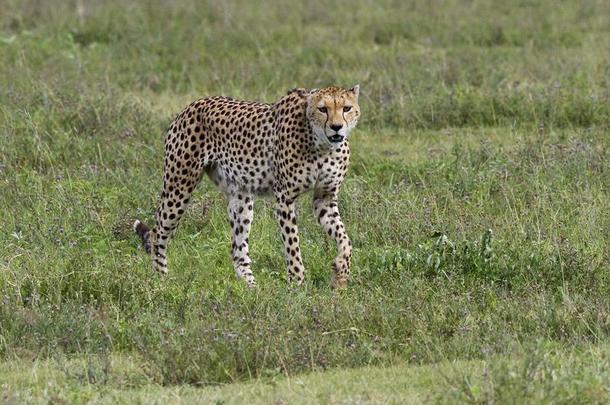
(143, 232)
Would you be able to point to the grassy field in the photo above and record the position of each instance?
(477, 201)
(538, 374)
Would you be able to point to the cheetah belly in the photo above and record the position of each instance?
(245, 174)
(252, 178)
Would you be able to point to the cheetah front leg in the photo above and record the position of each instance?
(327, 212)
(240, 217)
(287, 219)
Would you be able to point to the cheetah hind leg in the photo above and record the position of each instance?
(173, 202)
(146, 234)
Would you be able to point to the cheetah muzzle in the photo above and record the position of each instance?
(297, 144)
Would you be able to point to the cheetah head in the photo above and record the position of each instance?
(333, 112)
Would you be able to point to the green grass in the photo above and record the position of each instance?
(541, 373)
(477, 202)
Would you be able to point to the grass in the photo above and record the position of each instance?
(477, 202)
(541, 373)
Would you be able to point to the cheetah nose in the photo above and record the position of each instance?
(335, 127)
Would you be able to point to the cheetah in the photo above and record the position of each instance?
(297, 144)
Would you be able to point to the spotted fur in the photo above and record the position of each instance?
(250, 148)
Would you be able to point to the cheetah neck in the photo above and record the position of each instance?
(294, 130)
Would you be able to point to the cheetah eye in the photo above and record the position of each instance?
(347, 108)
(323, 109)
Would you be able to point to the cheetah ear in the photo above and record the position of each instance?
(355, 90)
(313, 91)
